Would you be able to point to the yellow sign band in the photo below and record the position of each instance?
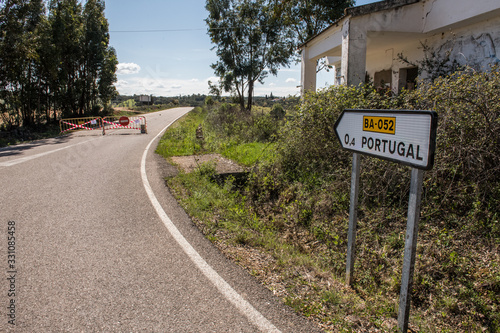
(385, 125)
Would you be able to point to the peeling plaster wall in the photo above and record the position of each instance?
(476, 45)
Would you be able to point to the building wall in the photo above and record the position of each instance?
(439, 14)
(476, 45)
(468, 33)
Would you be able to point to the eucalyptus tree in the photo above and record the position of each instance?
(19, 43)
(55, 59)
(99, 64)
(307, 18)
(250, 43)
(86, 65)
(67, 37)
(10, 54)
(107, 78)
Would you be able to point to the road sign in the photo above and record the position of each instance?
(124, 121)
(407, 137)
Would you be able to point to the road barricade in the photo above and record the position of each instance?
(84, 123)
(117, 122)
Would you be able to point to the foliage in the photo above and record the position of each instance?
(250, 44)
(307, 187)
(277, 111)
(55, 61)
(160, 101)
(434, 64)
(228, 124)
(23, 134)
(295, 210)
(306, 18)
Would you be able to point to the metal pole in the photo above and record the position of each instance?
(417, 176)
(353, 218)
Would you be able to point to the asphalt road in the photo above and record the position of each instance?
(92, 241)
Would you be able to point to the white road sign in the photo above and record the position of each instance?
(407, 137)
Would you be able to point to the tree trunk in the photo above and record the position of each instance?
(250, 96)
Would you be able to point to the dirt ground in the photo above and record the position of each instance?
(119, 109)
(190, 163)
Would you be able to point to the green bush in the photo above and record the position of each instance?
(300, 188)
(277, 111)
(306, 189)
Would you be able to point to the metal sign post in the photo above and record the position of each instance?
(410, 248)
(406, 137)
(353, 217)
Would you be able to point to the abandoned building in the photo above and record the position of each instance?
(386, 42)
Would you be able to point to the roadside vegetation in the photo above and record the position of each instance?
(288, 224)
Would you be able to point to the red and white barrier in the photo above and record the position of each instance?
(136, 123)
(87, 123)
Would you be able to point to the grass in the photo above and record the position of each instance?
(215, 208)
(126, 113)
(180, 139)
(248, 153)
(130, 103)
(222, 215)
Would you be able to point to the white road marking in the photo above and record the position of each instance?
(32, 157)
(231, 295)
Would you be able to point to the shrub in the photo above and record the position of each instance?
(229, 123)
(277, 111)
(306, 189)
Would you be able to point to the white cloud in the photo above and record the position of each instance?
(213, 79)
(161, 86)
(128, 68)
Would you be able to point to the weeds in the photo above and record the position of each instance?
(294, 208)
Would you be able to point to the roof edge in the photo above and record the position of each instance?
(377, 6)
(364, 10)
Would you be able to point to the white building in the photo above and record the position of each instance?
(368, 41)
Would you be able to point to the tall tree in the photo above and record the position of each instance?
(19, 40)
(60, 61)
(68, 37)
(96, 53)
(48, 70)
(309, 17)
(107, 78)
(10, 56)
(251, 43)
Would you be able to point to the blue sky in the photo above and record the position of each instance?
(163, 49)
